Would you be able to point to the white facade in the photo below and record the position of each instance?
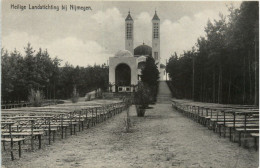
(127, 61)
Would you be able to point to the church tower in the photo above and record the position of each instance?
(156, 39)
(129, 33)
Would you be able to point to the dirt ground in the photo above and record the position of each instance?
(163, 138)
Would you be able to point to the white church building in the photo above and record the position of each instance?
(125, 67)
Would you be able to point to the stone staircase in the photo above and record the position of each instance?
(164, 94)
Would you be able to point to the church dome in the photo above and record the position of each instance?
(143, 50)
(123, 53)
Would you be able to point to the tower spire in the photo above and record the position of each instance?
(156, 39)
(155, 17)
(129, 33)
(129, 17)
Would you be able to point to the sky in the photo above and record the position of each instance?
(90, 37)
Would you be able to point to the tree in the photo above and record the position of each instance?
(226, 60)
(150, 76)
(150, 73)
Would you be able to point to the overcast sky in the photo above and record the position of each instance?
(88, 37)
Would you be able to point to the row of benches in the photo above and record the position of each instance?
(34, 123)
(241, 122)
(14, 105)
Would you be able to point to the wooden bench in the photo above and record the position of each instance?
(33, 122)
(237, 117)
(28, 134)
(255, 136)
(12, 140)
(247, 130)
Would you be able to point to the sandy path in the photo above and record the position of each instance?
(164, 138)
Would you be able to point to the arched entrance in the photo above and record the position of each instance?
(123, 77)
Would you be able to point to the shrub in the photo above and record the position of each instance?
(143, 95)
(35, 98)
(75, 95)
(88, 97)
(99, 93)
(142, 98)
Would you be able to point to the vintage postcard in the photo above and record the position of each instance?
(129, 84)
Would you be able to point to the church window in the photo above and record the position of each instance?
(155, 30)
(129, 31)
(156, 55)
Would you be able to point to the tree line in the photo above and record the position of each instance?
(37, 70)
(223, 66)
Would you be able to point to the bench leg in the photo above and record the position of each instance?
(12, 154)
(219, 129)
(71, 129)
(32, 141)
(255, 138)
(4, 146)
(88, 123)
(54, 135)
(230, 133)
(40, 141)
(49, 137)
(20, 150)
(239, 138)
(61, 132)
(234, 135)
(213, 126)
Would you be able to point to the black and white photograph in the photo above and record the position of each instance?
(129, 84)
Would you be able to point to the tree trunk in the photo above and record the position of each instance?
(193, 78)
(256, 79)
(220, 85)
(244, 81)
(229, 88)
(249, 75)
(201, 89)
(205, 91)
(214, 87)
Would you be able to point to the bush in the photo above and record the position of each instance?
(75, 96)
(140, 111)
(88, 97)
(75, 99)
(142, 95)
(99, 93)
(150, 76)
(142, 98)
(35, 98)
